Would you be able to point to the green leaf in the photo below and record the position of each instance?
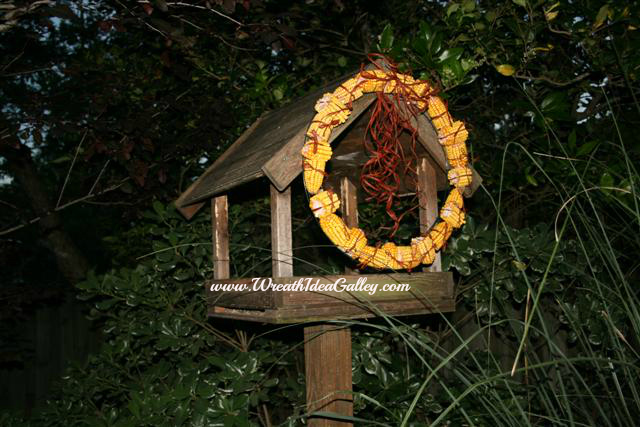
(386, 38)
(606, 180)
(455, 53)
(601, 16)
(158, 207)
(586, 148)
(522, 3)
(453, 7)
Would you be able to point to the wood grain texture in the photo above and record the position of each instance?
(187, 198)
(430, 292)
(285, 165)
(327, 359)
(428, 197)
(349, 155)
(220, 237)
(281, 238)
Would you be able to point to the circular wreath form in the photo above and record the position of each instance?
(332, 110)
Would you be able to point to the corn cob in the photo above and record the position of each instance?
(348, 91)
(335, 229)
(389, 86)
(391, 250)
(453, 134)
(320, 128)
(424, 249)
(372, 257)
(406, 79)
(372, 80)
(330, 108)
(452, 215)
(320, 150)
(439, 234)
(313, 174)
(460, 176)
(456, 154)
(421, 90)
(455, 198)
(407, 257)
(324, 203)
(357, 241)
(439, 114)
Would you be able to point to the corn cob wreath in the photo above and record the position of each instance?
(332, 110)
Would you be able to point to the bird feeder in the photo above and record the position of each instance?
(271, 149)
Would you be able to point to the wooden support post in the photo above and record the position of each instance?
(220, 233)
(281, 239)
(327, 359)
(349, 208)
(428, 199)
(327, 347)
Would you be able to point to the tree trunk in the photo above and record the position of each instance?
(71, 263)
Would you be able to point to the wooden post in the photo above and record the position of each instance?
(220, 233)
(327, 347)
(281, 239)
(349, 208)
(428, 199)
(327, 359)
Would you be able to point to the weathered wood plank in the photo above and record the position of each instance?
(424, 286)
(186, 198)
(349, 208)
(281, 237)
(286, 164)
(327, 359)
(220, 237)
(428, 199)
(333, 312)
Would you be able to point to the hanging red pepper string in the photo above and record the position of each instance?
(381, 174)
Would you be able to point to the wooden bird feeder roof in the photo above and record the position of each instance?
(271, 146)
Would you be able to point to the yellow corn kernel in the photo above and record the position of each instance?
(439, 234)
(335, 229)
(372, 80)
(331, 109)
(313, 174)
(455, 198)
(460, 176)
(452, 215)
(348, 91)
(320, 150)
(453, 134)
(456, 154)
(406, 79)
(324, 203)
(407, 257)
(424, 249)
(389, 86)
(320, 128)
(391, 250)
(357, 241)
(442, 121)
(373, 257)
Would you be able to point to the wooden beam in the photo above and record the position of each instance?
(327, 358)
(285, 165)
(349, 208)
(428, 199)
(281, 237)
(220, 237)
(348, 202)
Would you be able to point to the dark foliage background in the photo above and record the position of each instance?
(110, 109)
